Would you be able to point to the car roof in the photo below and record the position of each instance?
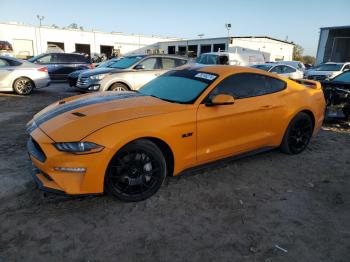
(160, 55)
(225, 70)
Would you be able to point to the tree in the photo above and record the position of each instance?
(298, 52)
(308, 59)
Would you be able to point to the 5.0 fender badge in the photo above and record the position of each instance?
(187, 135)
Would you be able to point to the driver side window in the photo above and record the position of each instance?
(3, 63)
(150, 64)
(347, 67)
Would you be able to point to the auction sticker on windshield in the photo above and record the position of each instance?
(206, 76)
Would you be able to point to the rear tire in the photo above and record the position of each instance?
(23, 86)
(297, 135)
(136, 172)
(118, 87)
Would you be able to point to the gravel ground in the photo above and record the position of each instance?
(239, 211)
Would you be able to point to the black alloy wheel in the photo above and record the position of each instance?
(298, 134)
(136, 172)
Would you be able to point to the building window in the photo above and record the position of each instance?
(83, 48)
(219, 47)
(171, 50)
(55, 47)
(107, 50)
(182, 50)
(205, 49)
(192, 50)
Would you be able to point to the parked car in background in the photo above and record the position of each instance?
(73, 77)
(60, 65)
(280, 69)
(296, 64)
(327, 71)
(228, 58)
(126, 143)
(130, 73)
(337, 95)
(21, 76)
(6, 48)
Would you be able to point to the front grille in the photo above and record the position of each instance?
(317, 77)
(35, 150)
(83, 81)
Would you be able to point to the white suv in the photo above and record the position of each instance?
(327, 70)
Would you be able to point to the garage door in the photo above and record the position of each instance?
(23, 48)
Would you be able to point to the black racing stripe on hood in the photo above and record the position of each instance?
(82, 102)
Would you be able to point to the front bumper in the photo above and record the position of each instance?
(88, 85)
(45, 157)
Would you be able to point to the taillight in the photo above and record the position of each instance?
(91, 66)
(43, 69)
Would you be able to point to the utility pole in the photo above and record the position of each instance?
(40, 17)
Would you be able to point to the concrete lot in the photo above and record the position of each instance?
(233, 212)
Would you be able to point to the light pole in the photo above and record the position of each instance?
(228, 28)
(40, 17)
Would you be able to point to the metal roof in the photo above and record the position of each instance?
(336, 27)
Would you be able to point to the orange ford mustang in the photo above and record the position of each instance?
(127, 142)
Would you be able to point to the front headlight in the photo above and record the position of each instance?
(78, 147)
(97, 77)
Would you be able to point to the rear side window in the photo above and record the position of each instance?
(288, 69)
(248, 85)
(180, 62)
(71, 58)
(168, 63)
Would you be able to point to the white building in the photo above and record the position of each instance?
(272, 49)
(30, 40)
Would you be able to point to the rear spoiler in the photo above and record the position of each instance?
(308, 83)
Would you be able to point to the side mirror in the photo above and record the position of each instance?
(220, 100)
(139, 67)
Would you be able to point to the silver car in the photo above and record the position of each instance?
(21, 76)
(130, 73)
(281, 69)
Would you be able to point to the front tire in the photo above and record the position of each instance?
(118, 87)
(136, 172)
(23, 86)
(298, 134)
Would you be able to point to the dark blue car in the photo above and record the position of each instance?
(60, 65)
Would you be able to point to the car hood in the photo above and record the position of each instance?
(320, 73)
(76, 73)
(98, 71)
(74, 118)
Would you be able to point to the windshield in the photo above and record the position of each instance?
(126, 62)
(329, 67)
(344, 77)
(263, 67)
(207, 59)
(183, 86)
